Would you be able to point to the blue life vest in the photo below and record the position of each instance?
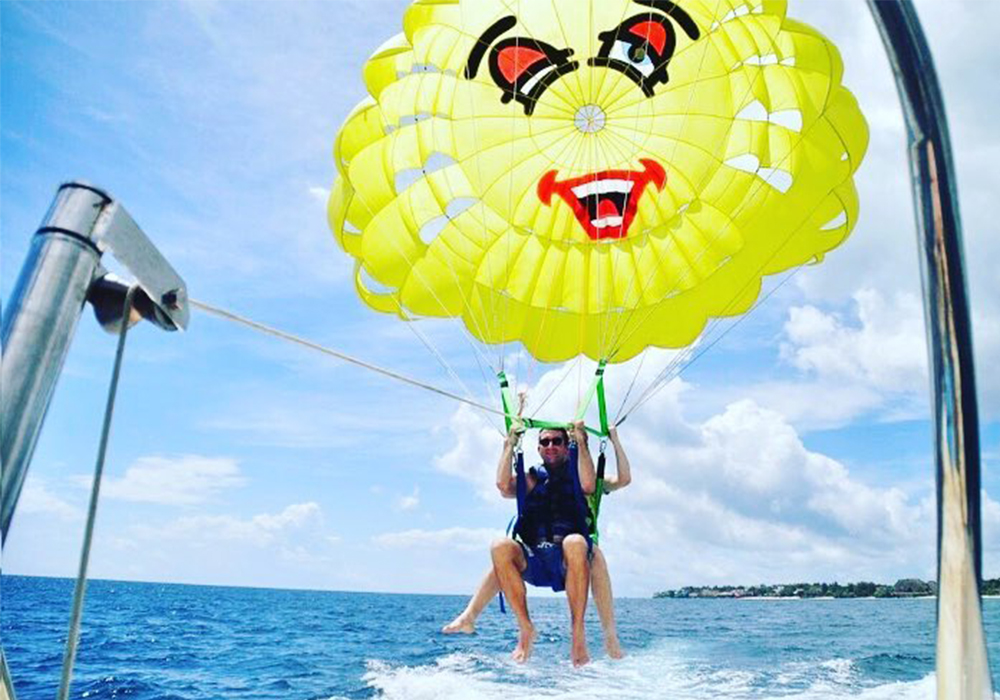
(551, 509)
(555, 507)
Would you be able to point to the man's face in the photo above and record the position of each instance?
(552, 447)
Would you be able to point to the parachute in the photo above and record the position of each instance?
(593, 177)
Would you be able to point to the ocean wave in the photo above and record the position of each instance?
(659, 672)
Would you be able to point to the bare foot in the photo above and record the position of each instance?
(578, 653)
(613, 649)
(525, 640)
(460, 625)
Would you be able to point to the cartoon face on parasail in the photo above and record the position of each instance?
(593, 176)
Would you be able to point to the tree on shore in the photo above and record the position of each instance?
(903, 588)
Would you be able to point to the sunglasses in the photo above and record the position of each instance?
(555, 442)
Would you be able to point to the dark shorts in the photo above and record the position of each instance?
(545, 566)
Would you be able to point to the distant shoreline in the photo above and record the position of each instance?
(821, 598)
(903, 588)
(830, 597)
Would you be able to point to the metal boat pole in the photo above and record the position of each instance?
(61, 272)
(963, 671)
(38, 325)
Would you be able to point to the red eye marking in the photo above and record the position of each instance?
(514, 60)
(652, 33)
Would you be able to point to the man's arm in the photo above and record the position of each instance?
(585, 463)
(623, 475)
(506, 482)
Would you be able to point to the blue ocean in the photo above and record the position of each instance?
(165, 641)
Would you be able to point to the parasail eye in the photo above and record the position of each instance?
(524, 68)
(640, 47)
(635, 55)
(514, 61)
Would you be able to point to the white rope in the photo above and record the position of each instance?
(676, 366)
(230, 316)
(80, 589)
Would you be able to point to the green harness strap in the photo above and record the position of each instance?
(594, 499)
(596, 389)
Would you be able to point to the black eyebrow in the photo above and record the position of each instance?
(672, 10)
(483, 43)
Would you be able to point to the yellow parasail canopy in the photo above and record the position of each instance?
(593, 176)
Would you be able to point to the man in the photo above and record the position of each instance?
(600, 580)
(553, 550)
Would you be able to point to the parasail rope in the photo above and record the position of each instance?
(236, 318)
(681, 363)
(689, 355)
(80, 589)
(444, 363)
(277, 333)
(558, 384)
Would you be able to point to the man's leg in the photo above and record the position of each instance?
(466, 621)
(577, 582)
(600, 585)
(508, 563)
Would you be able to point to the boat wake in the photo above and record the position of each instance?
(658, 672)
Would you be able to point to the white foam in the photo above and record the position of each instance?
(667, 671)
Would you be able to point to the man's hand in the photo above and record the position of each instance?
(588, 476)
(613, 434)
(516, 431)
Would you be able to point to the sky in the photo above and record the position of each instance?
(798, 447)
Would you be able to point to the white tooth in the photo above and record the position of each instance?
(623, 186)
(607, 221)
(603, 187)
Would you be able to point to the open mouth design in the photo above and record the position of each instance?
(605, 203)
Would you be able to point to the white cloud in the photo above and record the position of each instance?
(990, 518)
(870, 363)
(751, 464)
(821, 404)
(289, 547)
(887, 351)
(460, 538)
(36, 498)
(409, 502)
(177, 481)
(473, 453)
(986, 339)
(259, 531)
(320, 194)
